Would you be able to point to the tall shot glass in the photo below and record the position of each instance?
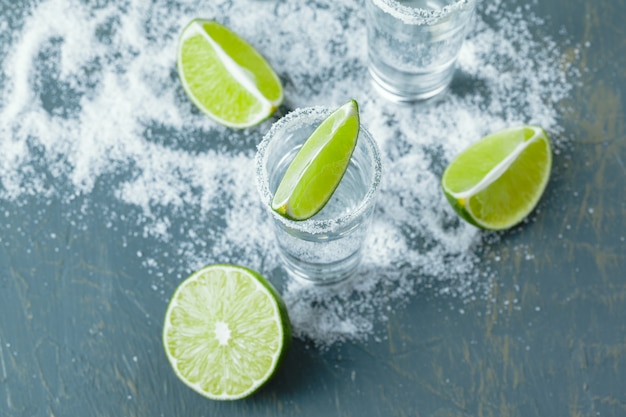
(326, 248)
(413, 45)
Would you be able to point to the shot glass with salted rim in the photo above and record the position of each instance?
(326, 248)
(413, 45)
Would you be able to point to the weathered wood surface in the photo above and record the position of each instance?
(79, 336)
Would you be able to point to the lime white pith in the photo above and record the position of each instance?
(225, 331)
(320, 164)
(224, 76)
(497, 182)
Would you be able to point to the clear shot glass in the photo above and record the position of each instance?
(413, 45)
(326, 248)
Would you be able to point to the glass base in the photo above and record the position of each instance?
(321, 274)
(418, 90)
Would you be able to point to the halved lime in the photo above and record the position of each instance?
(225, 77)
(226, 330)
(319, 166)
(496, 182)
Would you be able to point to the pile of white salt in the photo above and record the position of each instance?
(89, 92)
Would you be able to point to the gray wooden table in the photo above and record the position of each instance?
(80, 328)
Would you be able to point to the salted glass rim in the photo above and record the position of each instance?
(295, 119)
(419, 15)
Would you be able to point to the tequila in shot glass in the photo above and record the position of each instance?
(413, 45)
(326, 248)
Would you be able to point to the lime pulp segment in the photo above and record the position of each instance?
(496, 182)
(224, 76)
(320, 164)
(225, 332)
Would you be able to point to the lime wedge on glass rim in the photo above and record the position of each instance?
(496, 182)
(224, 76)
(317, 169)
(226, 331)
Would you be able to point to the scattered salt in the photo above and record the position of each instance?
(90, 98)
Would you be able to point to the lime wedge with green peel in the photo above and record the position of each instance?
(225, 77)
(319, 165)
(226, 330)
(496, 182)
